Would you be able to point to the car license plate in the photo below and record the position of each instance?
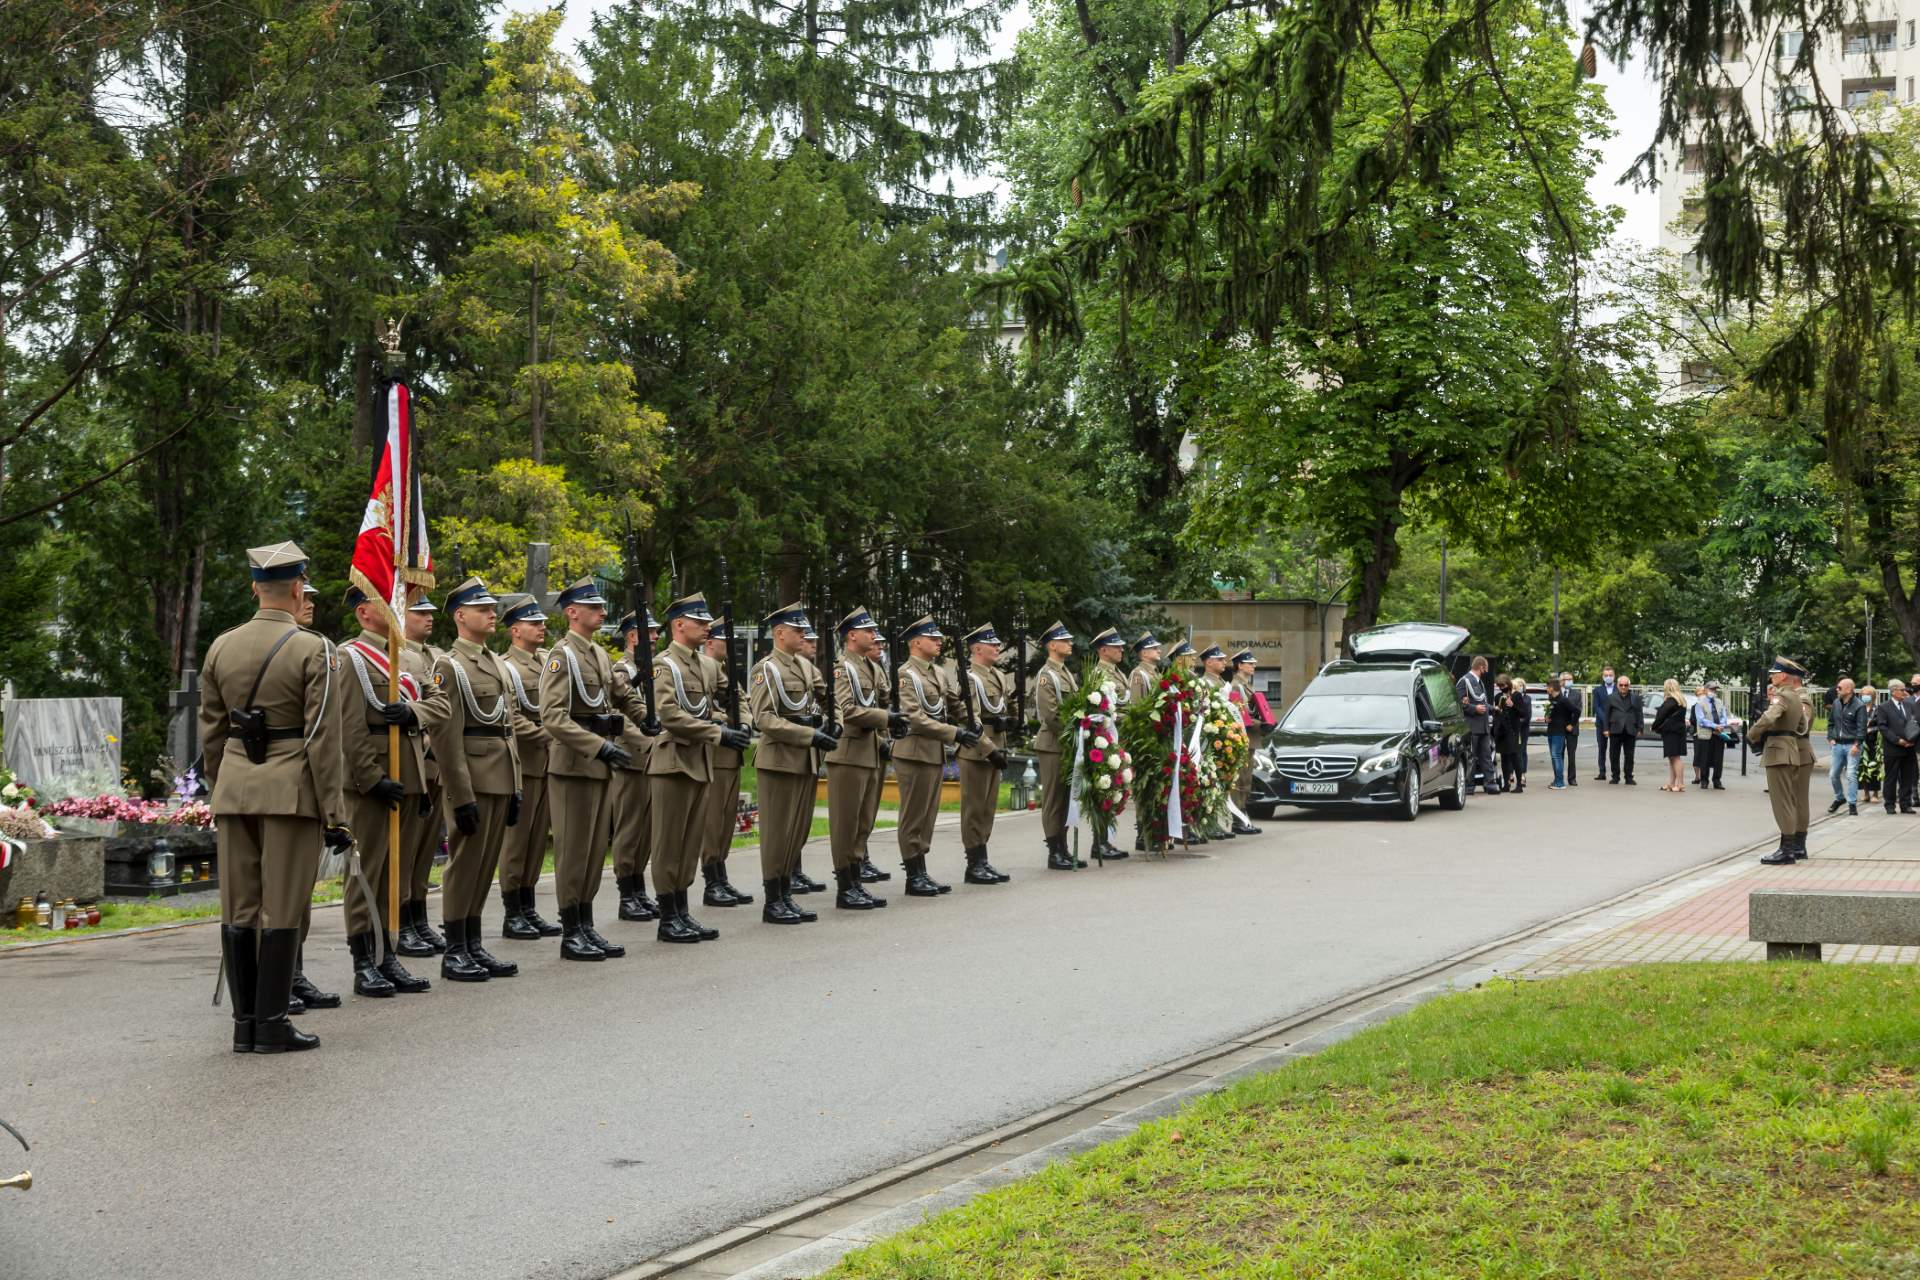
(1316, 788)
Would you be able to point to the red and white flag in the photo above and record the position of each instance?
(391, 553)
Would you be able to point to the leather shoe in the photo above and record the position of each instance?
(547, 928)
(672, 928)
(634, 902)
(393, 971)
(455, 964)
(311, 996)
(1058, 859)
(919, 883)
(777, 909)
(718, 892)
(1244, 828)
(786, 896)
(1835, 806)
(612, 950)
(801, 882)
(423, 927)
(367, 978)
(979, 870)
(680, 909)
(740, 899)
(573, 943)
(514, 925)
(870, 874)
(408, 941)
(851, 895)
(478, 953)
(1782, 856)
(1800, 846)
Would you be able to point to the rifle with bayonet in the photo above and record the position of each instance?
(726, 625)
(1019, 677)
(896, 719)
(642, 635)
(830, 637)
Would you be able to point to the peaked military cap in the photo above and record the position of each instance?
(281, 562)
(807, 632)
(1058, 631)
(626, 623)
(1181, 650)
(355, 597)
(787, 615)
(1146, 641)
(693, 607)
(858, 620)
(423, 605)
(1111, 636)
(521, 607)
(1788, 666)
(1245, 655)
(308, 589)
(926, 626)
(718, 631)
(1213, 651)
(469, 593)
(582, 591)
(983, 634)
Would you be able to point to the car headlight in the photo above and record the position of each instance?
(1381, 763)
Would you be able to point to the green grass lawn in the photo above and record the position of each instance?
(1658, 1123)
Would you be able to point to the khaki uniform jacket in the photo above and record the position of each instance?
(992, 696)
(724, 757)
(474, 764)
(860, 692)
(1052, 685)
(417, 661)
(782, 686)
(632, 705)
(684, 695)
(923, 700)
(533, 740)
(300, 777)
(1115, 682)
(363, 733)
(1144, 682)
(575, 749)
(1781, 730)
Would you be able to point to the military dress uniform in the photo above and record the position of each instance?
(1053, 684)
(983, 762)
(855, 766)
(789, 718)
(526, 845)
(630, 810)
(372, 796)
(722, 817)
(422, 828)
(1784, 731)
(1240, 690)
(681, 769)
(798, 881)
(586, 719)
(1117, 687)
(918, 758)
(480, 778)
(1143, 684)
(273, 768)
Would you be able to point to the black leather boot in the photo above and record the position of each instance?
(573, 943)
(1800, 846)
(740, 899)
(1110, 852)
(514, 925)
(240, 951)
(849, 894)
(1058, 859)
(393, 971)
(801, 882)
(919, 883)
(686, 918)
(409, 942)
(425, 930)
(478, 953)
(1244, 828)
(786, 895)
(672, 927)
(978, 872)
(367, 978)
(634, 902)
(455, 964)
(272, 1032)
(718, 892)
(304, 991)
(1782, 856)
(546, 927)
(613, 949)
(870, 874)
(777, 909)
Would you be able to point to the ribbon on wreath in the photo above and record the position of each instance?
(1176, 826)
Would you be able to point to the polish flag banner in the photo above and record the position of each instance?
(391, 554)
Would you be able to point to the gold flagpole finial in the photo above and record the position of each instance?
(389, 338)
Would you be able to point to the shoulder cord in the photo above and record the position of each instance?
(360, 669)
(802, 704)
(580, 684)
(863, 698)
(920, 691)
(326, 692)
(697, 710)
(980, 687)
(527, 705)
(494, 716)
(1053, 678)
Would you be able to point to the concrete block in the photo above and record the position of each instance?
(1793, 922)
(67, 867)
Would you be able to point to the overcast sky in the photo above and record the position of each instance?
(1630, 93)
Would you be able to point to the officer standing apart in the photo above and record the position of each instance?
(1471, 689)
(1784, 731)
(918, 757)
(1143, 682)
(480, 774)
(371, 795)
(984, 762)
(583, 717)
(629, 807)
(526, 846)
(723, 789)
(1052, 685)
(681, 766)
(855, 767)
(789, 720)
(421, 829)
(273, 769)
(1241, 691)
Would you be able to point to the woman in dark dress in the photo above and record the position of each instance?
(1670, 722)
(1512, 712)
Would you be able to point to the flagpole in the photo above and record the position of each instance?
(396, 620)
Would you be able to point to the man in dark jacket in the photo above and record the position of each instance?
(1597, 700)
(1624, 715)
(1846, 730)
(1570, 694)
(1476, 703)
(1899, 729)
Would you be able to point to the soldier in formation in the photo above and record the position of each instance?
(629, 807)
(857, 763)
(920, 753)
(525, 851)
(1053, 684)
(723, 791)
(423, 828)
(982, 762)
(1240, 690)
(792, 726)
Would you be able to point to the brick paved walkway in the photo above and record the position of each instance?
(1706, 918)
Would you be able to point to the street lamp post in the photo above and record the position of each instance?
(1556, 619)
(1868, 605)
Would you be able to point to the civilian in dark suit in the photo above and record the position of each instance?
(1625, 715)
(1899, 728)
(1597, 699)
(1476, 703)
(1571, 692)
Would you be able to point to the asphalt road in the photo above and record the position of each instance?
(581, 1118)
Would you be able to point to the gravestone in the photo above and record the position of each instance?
(183, 723)
(65, 746)
(539, 562)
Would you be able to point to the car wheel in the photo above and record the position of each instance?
(1410, 796)
(1456, 796)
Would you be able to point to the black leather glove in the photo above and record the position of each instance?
(651, 728)
(513, 810)
(998, 757)
(400, 713)
(835, 730)
(426, 805)
(823, 741)
(897, 723)
(389, 793)
(467, 818)
(967, 737)
(615, 754)
(338, 838)
(738, 739)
